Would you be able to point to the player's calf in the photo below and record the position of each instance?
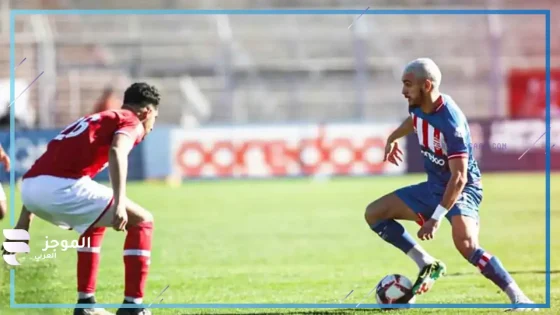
(465, 238)
(137, 252)
(88, 261)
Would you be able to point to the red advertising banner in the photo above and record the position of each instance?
(527, 93)
(332, 149)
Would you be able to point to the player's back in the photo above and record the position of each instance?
(82, 148)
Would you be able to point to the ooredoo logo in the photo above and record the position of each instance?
(433, 158)
(15, 247)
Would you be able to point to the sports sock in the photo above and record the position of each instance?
(420, 256)
(491, 267)
(88, 261)
(394, 233)
(137, 249)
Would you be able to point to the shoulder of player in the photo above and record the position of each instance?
(452, 123)
(451, 112)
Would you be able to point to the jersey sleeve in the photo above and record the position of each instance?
(130, 126)
(456, 138)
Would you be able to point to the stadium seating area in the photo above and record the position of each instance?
(268, 69)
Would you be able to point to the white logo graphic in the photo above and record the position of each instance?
(433, 158)
(15, 247)
(461, 131)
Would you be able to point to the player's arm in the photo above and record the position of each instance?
(403, 130)
(457, 182)
(118, 165)
(392, 152)
(455, 185)
(24, 221)
(457, 159)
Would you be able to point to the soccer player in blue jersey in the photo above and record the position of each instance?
(453, 189)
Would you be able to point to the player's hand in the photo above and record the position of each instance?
(5, 159)
(428, 230)
(392, 153)
(120, 219)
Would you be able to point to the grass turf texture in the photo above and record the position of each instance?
(295, 241)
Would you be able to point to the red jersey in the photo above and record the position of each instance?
(82, 149)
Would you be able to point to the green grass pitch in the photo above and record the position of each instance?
(296, 241)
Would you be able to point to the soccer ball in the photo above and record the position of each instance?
(392, 288)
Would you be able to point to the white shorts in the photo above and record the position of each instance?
(75, 204)
(2, 193)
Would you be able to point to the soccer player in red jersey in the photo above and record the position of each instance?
(59, 189)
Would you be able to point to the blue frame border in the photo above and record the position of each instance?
(546, 13)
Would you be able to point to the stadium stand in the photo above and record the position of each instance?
(252, 69)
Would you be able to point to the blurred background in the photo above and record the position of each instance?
(280, 95)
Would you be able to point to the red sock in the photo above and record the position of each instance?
(137, 249)
(88, 260)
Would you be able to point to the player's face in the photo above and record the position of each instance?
(414, 90)
(150, 114)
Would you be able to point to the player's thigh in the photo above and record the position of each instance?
(406, 203)
(467, 204)
(402, 204)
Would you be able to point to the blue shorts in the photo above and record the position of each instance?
(423, 201)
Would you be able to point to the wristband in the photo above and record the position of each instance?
(439, 213)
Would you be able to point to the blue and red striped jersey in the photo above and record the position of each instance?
(443, 135)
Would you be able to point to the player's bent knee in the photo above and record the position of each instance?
(138, 218)
(137, 214)
(389, 206)
(378, 210)
(374, 212)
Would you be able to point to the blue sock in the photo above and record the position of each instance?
(491, 268)
(394, 233)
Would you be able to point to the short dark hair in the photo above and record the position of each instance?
(141, 94)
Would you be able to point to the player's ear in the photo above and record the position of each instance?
(144, 113)
(428, 85)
